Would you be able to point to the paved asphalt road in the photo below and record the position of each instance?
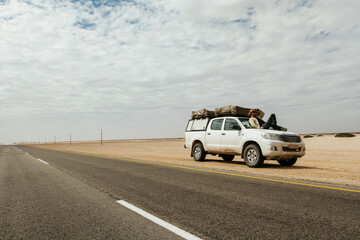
(74, 197)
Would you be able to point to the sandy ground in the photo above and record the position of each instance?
(328, 159)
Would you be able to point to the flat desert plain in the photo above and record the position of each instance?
(328, 159)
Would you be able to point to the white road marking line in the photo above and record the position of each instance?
(158, 221)
(27, 153)
(42, 161)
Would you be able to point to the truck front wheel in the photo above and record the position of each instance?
(253, 156)
(198, 152)
(287, 162)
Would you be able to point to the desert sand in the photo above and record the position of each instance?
(328, 159)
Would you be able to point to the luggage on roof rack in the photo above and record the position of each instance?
(232, 110)
(202, 113)
(229, 110)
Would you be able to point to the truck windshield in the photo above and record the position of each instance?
(245, 122)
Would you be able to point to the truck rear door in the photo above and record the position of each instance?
(213, 136)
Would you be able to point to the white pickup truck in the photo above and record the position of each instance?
(230, 136)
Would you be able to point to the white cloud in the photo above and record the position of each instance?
(120, 63)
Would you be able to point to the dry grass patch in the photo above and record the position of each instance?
(344, 135)
(308, 136)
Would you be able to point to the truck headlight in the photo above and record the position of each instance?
(271, 136)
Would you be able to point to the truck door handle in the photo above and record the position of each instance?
(223, 134)
(209, 133)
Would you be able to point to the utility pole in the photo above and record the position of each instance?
(70, 138)
(101, 141)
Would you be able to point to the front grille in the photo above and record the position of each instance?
(290, 138)
(286, 149)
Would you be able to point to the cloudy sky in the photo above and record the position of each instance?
(138, 68)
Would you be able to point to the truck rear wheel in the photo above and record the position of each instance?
(287, 162)
(228, 158)
(198, 152)
(253, 156)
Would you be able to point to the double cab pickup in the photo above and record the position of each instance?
(230, 136)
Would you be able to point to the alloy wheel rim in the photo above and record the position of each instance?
(197, 152)
(252, 155)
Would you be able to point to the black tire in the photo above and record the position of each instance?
(287, 162)
(198, 152)
(253, 156)
(228, 158)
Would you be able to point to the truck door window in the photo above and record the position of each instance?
(246, 123)
(230, 123)
(216, 124)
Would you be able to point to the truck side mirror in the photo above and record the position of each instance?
(236, 127)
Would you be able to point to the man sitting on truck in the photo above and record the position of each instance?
(270, 123)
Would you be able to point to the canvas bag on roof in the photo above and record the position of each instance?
(202, 113)
(232, 110)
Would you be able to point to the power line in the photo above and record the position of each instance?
(324, 101)
(313, 102)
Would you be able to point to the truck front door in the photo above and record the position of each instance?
(213, 136)
(230, 137)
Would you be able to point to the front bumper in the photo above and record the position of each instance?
(283, 150)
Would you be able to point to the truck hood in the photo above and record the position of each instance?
(273, 131)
